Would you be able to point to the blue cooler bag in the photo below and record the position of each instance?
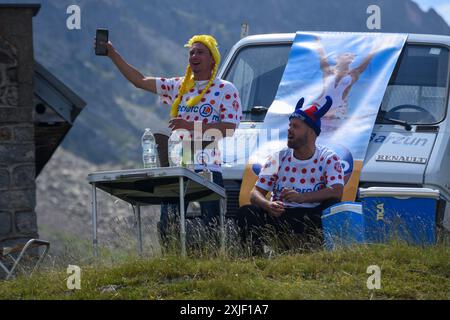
(343, 225)
(407, 214)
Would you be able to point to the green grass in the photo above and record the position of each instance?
(407, 272)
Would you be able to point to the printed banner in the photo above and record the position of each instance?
(354, 70)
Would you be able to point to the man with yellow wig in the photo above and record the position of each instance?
(198, 99)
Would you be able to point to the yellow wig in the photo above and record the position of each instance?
(188, 80)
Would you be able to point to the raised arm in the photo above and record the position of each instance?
(324, 65)
(360, 69)
(130, 72)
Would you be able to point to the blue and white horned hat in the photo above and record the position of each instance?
(311, 116)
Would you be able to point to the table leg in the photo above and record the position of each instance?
(223, 203)
(94, 220)
(182, 219)
(139, 229)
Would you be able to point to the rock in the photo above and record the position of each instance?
(112, 288)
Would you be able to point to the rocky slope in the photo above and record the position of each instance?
(64, 206)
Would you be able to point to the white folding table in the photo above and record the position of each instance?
(152, 186)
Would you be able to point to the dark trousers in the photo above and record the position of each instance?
(296, 227)
(210, 210)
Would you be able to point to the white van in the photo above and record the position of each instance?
(412, 119)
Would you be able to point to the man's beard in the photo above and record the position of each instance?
(297, 142)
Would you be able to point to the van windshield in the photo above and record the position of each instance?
(417, 90)
(256, 72)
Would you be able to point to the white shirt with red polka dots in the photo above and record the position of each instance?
(221, 103)
(283, 170)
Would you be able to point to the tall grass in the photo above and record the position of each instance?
(407, 272)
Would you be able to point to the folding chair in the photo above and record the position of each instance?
(8, 252)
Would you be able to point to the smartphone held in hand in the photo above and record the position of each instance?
(101, 40)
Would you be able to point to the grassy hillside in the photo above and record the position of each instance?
(406, 273)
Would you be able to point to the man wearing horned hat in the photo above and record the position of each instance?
(304, 179)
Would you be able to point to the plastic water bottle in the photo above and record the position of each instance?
(175, 152)
(149, 150)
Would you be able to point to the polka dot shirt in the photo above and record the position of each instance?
(283, 170)
(221, 103)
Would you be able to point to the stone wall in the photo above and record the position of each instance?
(17, 151)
